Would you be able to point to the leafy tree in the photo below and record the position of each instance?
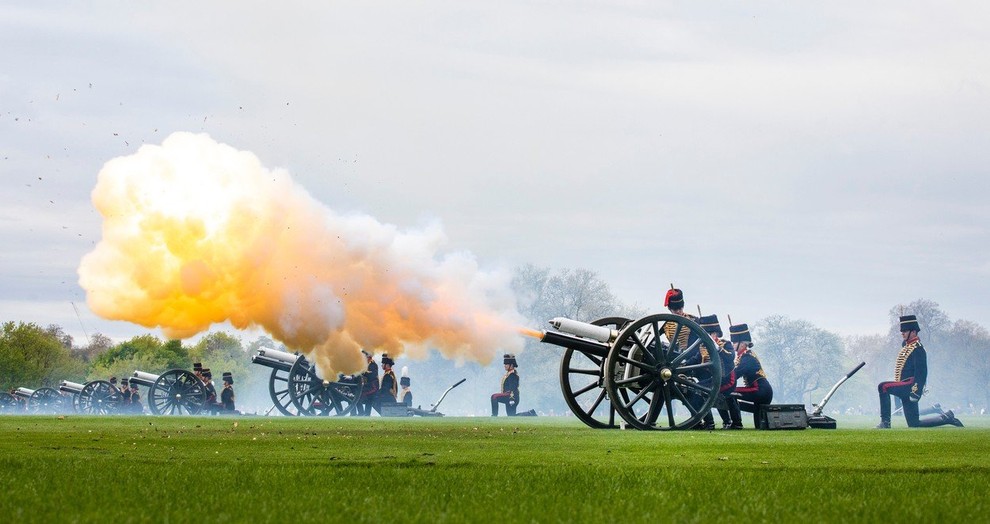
(145, 353)
(798, 357)
(98, 343)
(31, 356)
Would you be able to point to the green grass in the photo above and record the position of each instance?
(161, 469)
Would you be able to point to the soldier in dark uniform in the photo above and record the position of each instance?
(405, 396)
(674, 302)
(211, 392)
(227, 395)
(510, 388)
(728, 407)
(198, 370)
(910, 375)
(125, 395)
(370, 390)
(136, 406)
(388, 389)
(756, 390)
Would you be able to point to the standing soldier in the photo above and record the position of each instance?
(510, 388)
(405, 397)
(227, 395)
(125, 395)
(674, 302)
(211, 391)
(756, 391)
(388, 389)
(370, 389)
(728, 407)
(136, 406)
(198, 370)
(910, 374)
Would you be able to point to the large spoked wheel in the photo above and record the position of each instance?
(278, 387)
(660, 381)
(9, 403)
(74, 401)
(177, 392)
(582, 381)
(46, 400)
(314, 396)
(99, 397)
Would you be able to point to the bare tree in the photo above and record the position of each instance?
(798, 357)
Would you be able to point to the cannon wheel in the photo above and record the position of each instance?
(312, 395)
(9, 403)
(589, 401)
(76, 408)
(45, 400)
(177, 392)
(99, 397)
(278, 387)
(646, 373)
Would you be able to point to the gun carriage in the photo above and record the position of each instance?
(97, 397)
(41, 400)
(296, 388)
(654, 372)
(174, 392)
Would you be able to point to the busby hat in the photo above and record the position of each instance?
(197, 366)
(124, 381)
(113, 380)
(228, 377)
(207, 373)
(404, 382)
(509, 358)
(909, 323)
(710, 324)
(674, 299)
(387, 359)
(740, 333)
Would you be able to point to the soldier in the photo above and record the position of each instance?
(674, 302)
(135, 396)
(405, 397)
(510, 388)
(125, 395)
(227, 395)
(371, 385)
(728, 407)
(388, 389)
(211, 391)
(756, 391)
(198, 370)
(910, 375)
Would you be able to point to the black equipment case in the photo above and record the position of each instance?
(783, 416)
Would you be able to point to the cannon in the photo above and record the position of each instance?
(41, 400)
(97, 397)
(10, 404)
(174, 392)
(653, 372)
(278, 382)
(312, 395)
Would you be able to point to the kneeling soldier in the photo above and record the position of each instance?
(510, 388)
(756, 391)
(728, 407)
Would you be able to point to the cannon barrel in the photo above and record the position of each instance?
(593, 347)
(275, 359)
(584, 329)
(23, 392)
(70, 387)
(143, 379)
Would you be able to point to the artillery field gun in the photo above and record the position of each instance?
(98, 397)
(297, 389)
(652, 372)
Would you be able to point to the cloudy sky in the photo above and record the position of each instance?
(821, 161)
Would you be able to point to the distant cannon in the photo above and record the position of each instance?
(174, 392)
(278, 382)
(10, 404)
(98, 397)
(42, 400)
(653, 372)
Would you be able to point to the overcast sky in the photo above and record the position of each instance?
(822, 161)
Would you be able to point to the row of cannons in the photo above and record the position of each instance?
(175, 392)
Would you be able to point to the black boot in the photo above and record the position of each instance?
(884, 424)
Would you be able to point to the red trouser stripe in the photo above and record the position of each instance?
(888, 385)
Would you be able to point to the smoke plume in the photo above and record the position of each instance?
(197, 233)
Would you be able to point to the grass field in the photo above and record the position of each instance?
(162, 469)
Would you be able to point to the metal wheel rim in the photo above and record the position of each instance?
(590, 401)
(8, 403)
(45, 400)
(99, 397)
(177, 392)
(662, 389)
(278, 388)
